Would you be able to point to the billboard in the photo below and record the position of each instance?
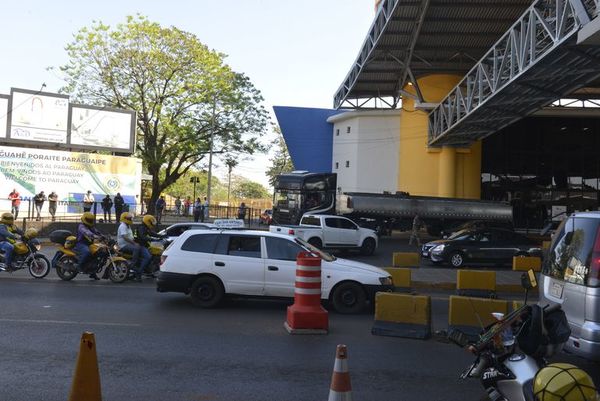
(69, 174)
(100, 127)
(38, 116)
(3, 115)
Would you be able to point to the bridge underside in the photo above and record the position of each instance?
(568, 68)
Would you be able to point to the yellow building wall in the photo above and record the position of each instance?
(434, 171)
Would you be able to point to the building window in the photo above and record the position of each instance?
(347, 130)
(337, 165)
(337, 132)
(347, 163)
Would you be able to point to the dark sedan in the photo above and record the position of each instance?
(481, 246)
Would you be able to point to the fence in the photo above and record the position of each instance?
(72, 210)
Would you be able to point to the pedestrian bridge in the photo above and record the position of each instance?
(552, 50)
(516, 56)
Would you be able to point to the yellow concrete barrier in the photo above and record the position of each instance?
(524, 263)
(401, 276)
(471, 315)
(476, 283)
(406, 259)
(401, 315)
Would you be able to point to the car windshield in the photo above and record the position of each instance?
(457, 234)
(322, 254)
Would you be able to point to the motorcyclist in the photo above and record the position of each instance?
(86, 234)
(9, 233)
(144, 234)
(127, 243)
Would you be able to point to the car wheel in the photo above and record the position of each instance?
(349, 298)
(456, 259)
(368, 247)
(316, 242)
(207, 292)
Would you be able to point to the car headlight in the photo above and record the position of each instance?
(386, 281)
(438, 248)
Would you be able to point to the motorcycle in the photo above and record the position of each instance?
(104, 257)
(156, 250)
(25, 255)
(512, 350)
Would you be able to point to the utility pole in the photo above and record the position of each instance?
(231, 163)
(210, 151)
(194, 180)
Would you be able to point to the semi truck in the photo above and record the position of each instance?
(301, 192)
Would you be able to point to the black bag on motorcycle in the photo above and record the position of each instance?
(543, 334)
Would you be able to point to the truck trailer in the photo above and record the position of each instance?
(301, 192)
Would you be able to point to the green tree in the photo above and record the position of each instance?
(182, 92)
(243, 188)
(281, 162)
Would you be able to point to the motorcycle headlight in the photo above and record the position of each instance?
(38, 247)
(386, 281)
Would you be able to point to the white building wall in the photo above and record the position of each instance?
(371, 148)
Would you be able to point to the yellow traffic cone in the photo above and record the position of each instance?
(86, 381)
(340, 389)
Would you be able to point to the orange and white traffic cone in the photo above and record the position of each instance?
(340, 390)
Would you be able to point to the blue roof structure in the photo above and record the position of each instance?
(308, 136)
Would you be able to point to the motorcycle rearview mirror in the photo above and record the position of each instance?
(528, 282)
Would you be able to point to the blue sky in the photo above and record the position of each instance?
(296, 52)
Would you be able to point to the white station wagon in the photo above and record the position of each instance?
(208, 264)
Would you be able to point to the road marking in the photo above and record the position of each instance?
(46, 306)
(44, 321)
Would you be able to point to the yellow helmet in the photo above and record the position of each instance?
(7, 218)
(149, 221)
(563, 382)
(31, 233)
(88, 218)
(127, 218)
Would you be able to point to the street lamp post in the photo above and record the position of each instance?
(194, 180)
(210, 151)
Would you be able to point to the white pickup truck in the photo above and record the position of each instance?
(333, 232)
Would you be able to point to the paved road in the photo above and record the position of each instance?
(155, 346)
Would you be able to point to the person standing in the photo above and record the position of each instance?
(187, 204)
(160, 208)
(38, 200)
(107, 204)
(52, 203)
(198, 210)
(88, 201)
(178, 205)
(118, 206)
(242, 211)
(206, 211)
(15, 199)
(414, 235)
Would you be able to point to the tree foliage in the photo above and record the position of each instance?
(242, 188)
(281, 162)
(181, 90)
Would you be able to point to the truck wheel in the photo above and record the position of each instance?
(456, 259)
(316, 242)
(207, 292)
(368, 247)
(348, 298)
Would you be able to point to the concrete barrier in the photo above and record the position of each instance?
(401, 277)
(472, 283)
(471, 315)
(406, 259)
(524, 263)
(401, 315)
